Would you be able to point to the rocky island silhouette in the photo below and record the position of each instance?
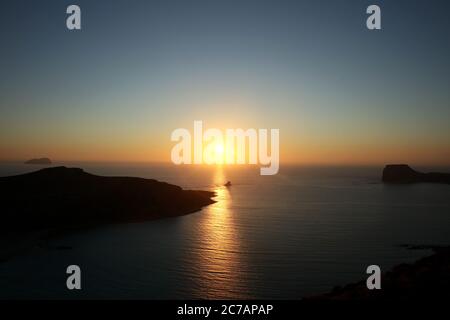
(403, 173)
(426, 279)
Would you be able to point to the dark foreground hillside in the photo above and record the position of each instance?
(59, 198)
(425, 279)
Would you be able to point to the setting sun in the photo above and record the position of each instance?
(219, 148)
(217, 155)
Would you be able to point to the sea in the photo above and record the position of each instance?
(295, 234)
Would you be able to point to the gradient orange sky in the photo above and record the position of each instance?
(338, 93)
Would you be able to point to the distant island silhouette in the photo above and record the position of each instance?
(402, 173)
(58, 199)
(39, 161)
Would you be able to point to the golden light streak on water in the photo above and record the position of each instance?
(220, 262)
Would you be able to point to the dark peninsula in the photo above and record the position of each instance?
(58, 199)
(402, 173)
(44, 161)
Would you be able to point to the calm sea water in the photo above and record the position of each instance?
(298, 233)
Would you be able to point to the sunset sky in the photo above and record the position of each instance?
(339, 93)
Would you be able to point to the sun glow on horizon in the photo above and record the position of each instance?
(219, 149)
(214, 153)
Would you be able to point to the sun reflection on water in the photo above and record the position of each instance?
(220, 263)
